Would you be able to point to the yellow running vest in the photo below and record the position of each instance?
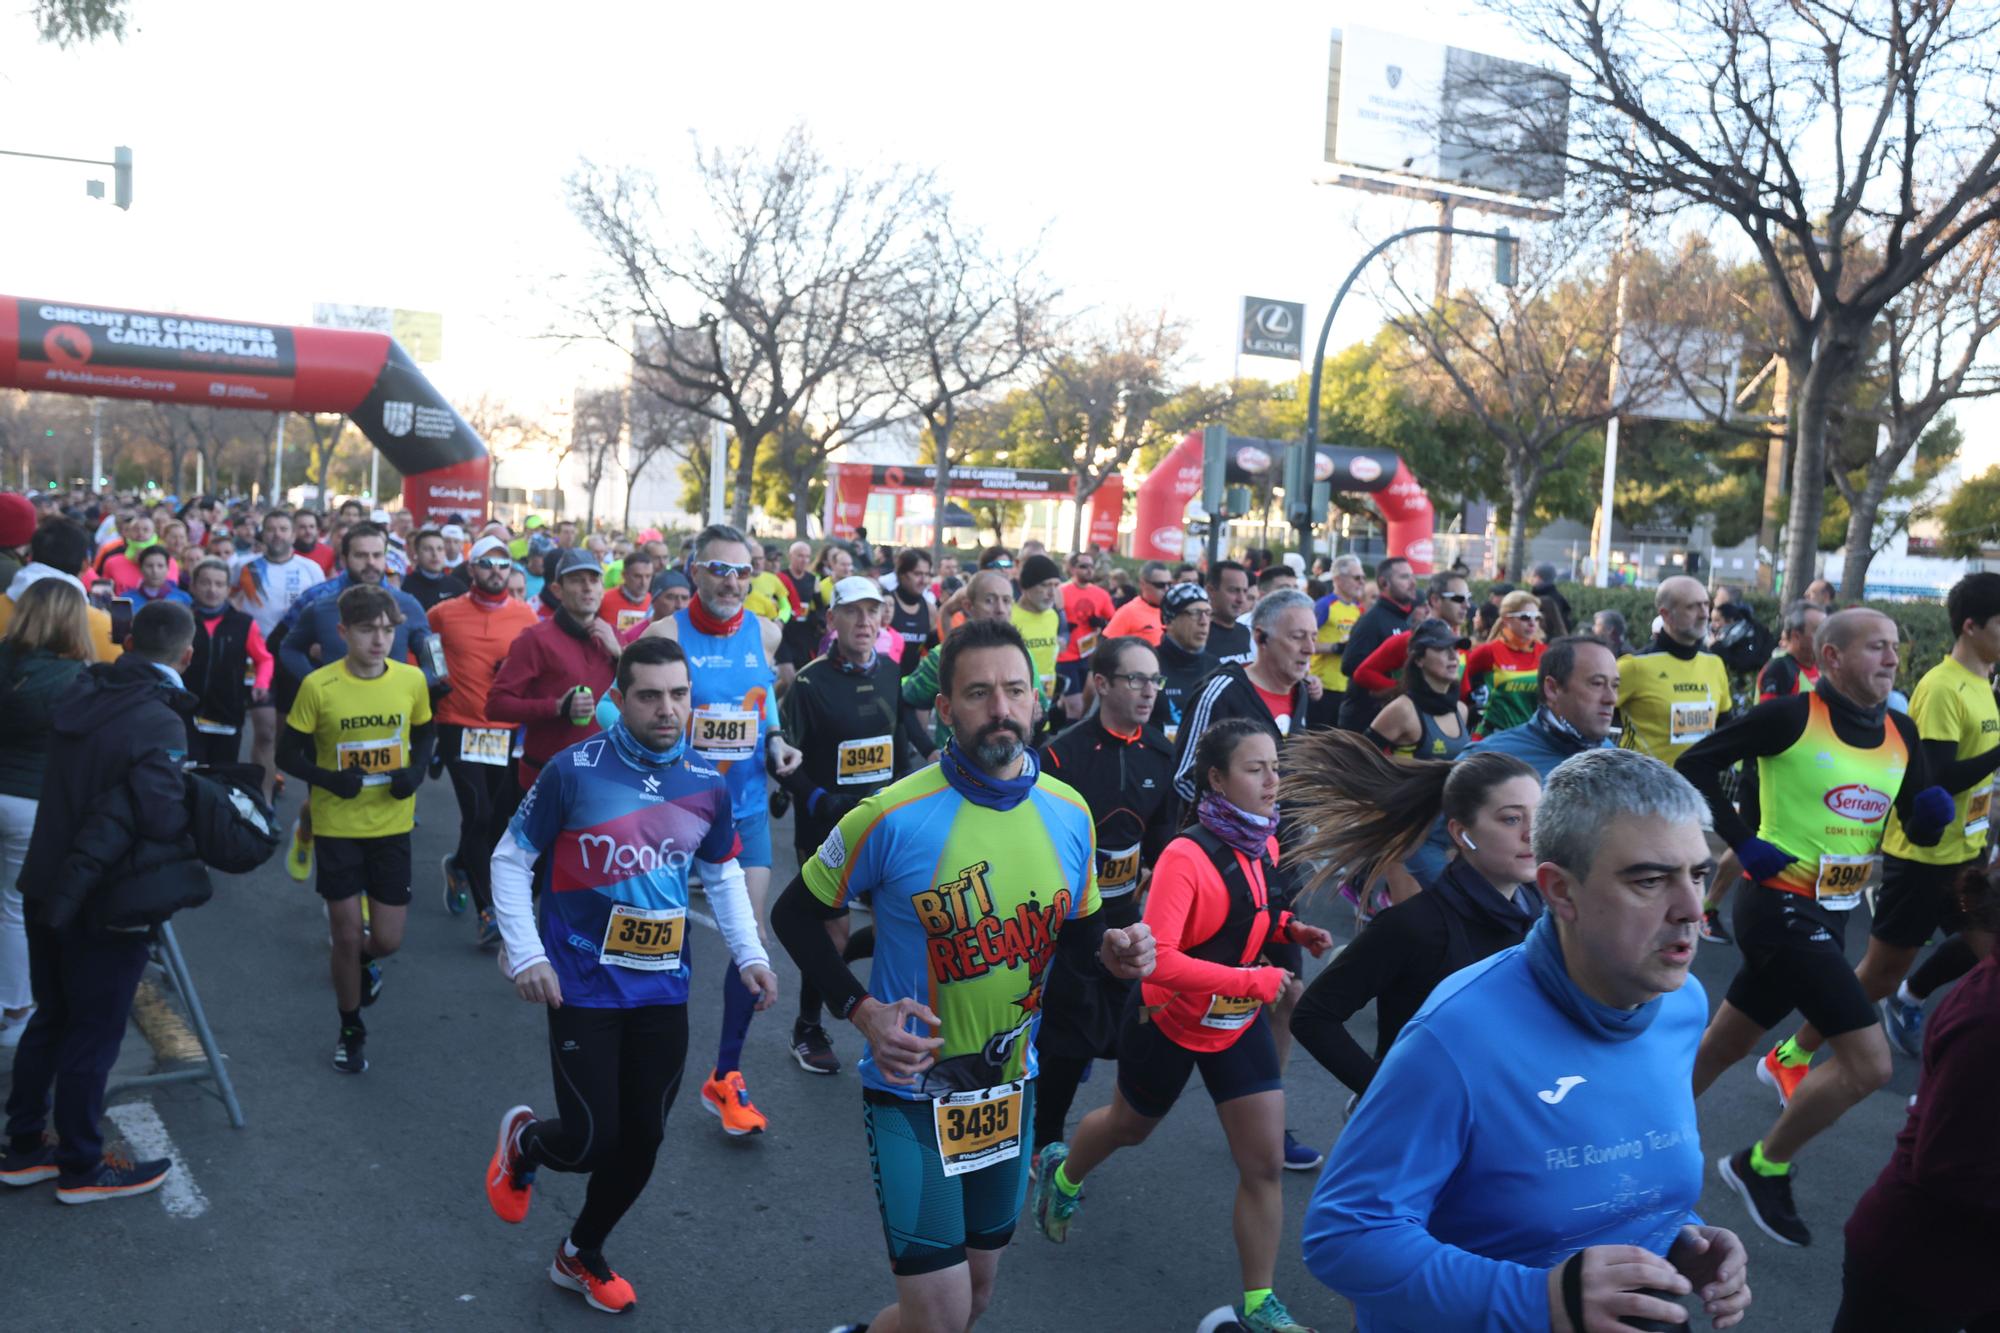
(1827, 803)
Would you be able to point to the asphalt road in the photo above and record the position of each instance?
(355, 1202)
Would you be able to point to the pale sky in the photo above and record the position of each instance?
(412, 154)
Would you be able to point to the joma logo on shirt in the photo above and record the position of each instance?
(362, 721)
(968, 939)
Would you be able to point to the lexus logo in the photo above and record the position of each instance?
(1395, 73)
(1274, 320)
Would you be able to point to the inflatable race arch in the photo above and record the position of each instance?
(109, 352)
(1163, 496)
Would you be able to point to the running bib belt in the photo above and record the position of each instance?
(866, 761)
(485, 745)
(1826, 803)
(735, 691)
(978, 1128)
(1956, 705)
(1231, 1012)
(1117, 871)
(648, 939)
(968, 903)
(616, 844)
(1690, 721)
(723, 734)
(376, 759)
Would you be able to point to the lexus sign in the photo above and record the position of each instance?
(1273, 328)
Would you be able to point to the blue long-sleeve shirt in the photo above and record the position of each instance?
(1515, 1122)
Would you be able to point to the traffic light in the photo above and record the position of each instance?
(1504, 247)
(121, 165)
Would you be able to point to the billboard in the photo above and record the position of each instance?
(1272, 328)
(1678, 374)
(1445, 114)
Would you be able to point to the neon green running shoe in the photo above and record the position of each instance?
(1053, 1208)
(1273, 1317)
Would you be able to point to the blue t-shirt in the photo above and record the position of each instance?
(1501, 1136)
(615, 831)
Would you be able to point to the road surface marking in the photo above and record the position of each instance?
(147, 1137)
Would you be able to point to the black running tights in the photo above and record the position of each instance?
(616, 1073)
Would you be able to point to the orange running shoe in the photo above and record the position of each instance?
(729, 1101)
(1782, 1078)
(510, 1181)
(586, 1273)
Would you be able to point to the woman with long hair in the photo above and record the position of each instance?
(1502, 670)
(1211, 914)
(1427, 720)
(47, 644)
(1365, 809)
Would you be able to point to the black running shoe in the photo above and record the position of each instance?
(812, 1049)
(347, 1053)
(1769, 1199)
(1712, 929)
(115, 1178)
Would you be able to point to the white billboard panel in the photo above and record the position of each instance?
(1446, 114)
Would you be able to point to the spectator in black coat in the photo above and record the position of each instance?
(120, 738)
(1544, 587)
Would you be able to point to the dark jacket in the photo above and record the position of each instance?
(114, 804)
(1397, 961)
(30, 684)
(1184, 670)
(1375, 627)
(429, 591)
(1228, 692)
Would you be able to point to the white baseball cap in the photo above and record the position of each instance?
(486, 546)
(856, 588)
(379, 516)
(452, 532)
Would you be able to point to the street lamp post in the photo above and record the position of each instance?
(1504, 243)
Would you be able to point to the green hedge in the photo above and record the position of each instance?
(1926, 633)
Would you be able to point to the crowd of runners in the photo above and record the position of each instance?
(1048, 814)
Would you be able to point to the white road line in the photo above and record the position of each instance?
(147, 1137)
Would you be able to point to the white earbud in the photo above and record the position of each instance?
(1470, 845)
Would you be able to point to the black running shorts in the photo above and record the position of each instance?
(378, 867)
(1916, 901)
(1794, 957)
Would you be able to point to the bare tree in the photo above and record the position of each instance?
(775, 284)
(325, 441)
(597, 432)
(965, 318)
(1932, 339)
(1106, 396)
(1852, 142)
(1530, 363)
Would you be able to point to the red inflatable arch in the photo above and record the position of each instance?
(1163, 496)
(108, 352)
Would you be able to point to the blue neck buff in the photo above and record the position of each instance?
(641, 756)
(1545, 960)
(978, 786)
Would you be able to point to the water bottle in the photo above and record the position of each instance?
(583, 693)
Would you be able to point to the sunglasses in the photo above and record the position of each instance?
(722, 569)
(1002, 563)
(1525, 615)
(1159, 583)
(492, 562)
(1460, 597)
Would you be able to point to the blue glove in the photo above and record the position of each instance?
(1760, 860)
(1931, 812)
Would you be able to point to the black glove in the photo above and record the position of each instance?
(403, 783)
(344, 782)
